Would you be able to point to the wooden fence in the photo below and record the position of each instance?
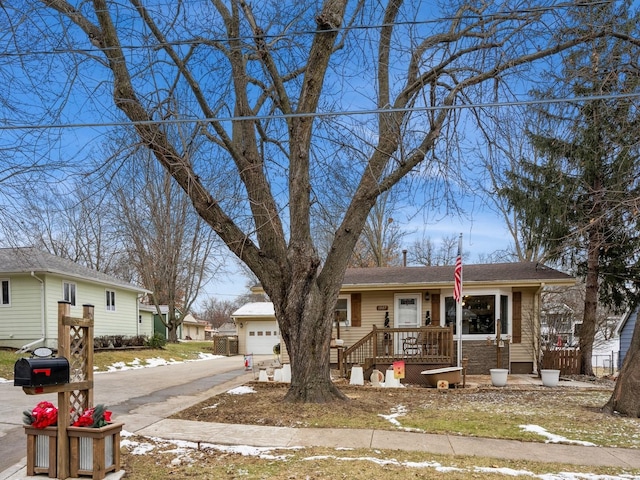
(566, 360)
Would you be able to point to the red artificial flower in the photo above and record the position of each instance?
(43, 415)
(95, 417)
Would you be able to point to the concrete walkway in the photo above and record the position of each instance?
(151, 420)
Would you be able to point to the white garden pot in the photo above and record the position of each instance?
(357, 375)
(286, 373)
(499, 376)
(390, 380)
(550, 378)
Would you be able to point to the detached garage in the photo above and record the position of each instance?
(257, 328)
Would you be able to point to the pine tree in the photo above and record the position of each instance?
(577, 199)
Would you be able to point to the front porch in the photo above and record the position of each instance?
(422, 348)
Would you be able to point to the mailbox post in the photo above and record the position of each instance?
(70, 375)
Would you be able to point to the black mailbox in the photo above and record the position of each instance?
(39, 372)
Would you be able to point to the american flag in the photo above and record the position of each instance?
(457, 274)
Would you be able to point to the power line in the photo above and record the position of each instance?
(508, 15)
(376, 111)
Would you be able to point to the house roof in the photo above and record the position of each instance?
(29, 259)
(191, 320)
(511, 274)
(255, 309)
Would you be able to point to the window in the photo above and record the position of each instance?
(479, 314)
(69, 292)
(111, 300)
(343, 310)
(5, 298)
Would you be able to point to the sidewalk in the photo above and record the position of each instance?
(154, 423)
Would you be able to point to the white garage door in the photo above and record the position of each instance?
(261, 337)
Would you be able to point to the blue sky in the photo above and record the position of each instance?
(482, 235)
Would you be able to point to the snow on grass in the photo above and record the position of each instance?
(553, 438)
(136, 363)
(241, 390)
(399, 411)
(184, 451)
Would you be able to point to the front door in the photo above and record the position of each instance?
(407, 315)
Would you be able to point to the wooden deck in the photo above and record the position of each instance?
(421, 349)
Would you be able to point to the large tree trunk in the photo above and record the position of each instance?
(305, 315)
(625, 398)
(588, 329)
(172, 326)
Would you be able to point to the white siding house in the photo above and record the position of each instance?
(32, 283)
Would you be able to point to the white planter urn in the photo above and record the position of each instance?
(550, 378)
(286, 373)
(357, 375)
(499, 376)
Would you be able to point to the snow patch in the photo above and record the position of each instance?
(553, 438)
(241, 390)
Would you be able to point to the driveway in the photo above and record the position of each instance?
(138, 397)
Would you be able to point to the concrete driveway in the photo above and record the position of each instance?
(136, 397)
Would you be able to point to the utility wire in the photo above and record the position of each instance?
(512, 15)
(376, 111)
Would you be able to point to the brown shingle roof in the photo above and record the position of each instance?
(524, 272)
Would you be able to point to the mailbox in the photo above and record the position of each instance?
(39, 372)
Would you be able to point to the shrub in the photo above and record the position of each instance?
(157, 341)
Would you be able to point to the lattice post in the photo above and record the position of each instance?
(75, 343)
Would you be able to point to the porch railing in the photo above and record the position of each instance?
(424, 345)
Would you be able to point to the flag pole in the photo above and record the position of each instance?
(457, 294)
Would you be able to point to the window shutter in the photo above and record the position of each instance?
(517, 317)
(435, 309)
(356, 309)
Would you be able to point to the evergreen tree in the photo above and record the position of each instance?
(576, 199)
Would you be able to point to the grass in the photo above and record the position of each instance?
(168, 460)
(573, 414)
(481, 412)
(105, 358)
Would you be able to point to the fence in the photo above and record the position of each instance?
(605, 364)
(568, 361)
(223, 345)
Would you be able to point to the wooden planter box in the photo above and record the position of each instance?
(41, 450)
(94, 451)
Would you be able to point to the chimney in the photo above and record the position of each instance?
(404, 258)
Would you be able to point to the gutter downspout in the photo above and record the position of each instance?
(536, 328)
(138, 298)
(43, 327)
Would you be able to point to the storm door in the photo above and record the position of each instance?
(407, 314)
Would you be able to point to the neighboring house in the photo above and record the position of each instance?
(228, 329)
(559, 327)
(411, 297)
(146, 320)
(257, 328)
(625, 332)
(32, 282)
(193, 329)
(152, 323)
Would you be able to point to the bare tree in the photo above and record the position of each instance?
(167, 243)
(217, 312)
(379, 244)
(256, 81)
(505, 150)
(425, 252)
(75, 224)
